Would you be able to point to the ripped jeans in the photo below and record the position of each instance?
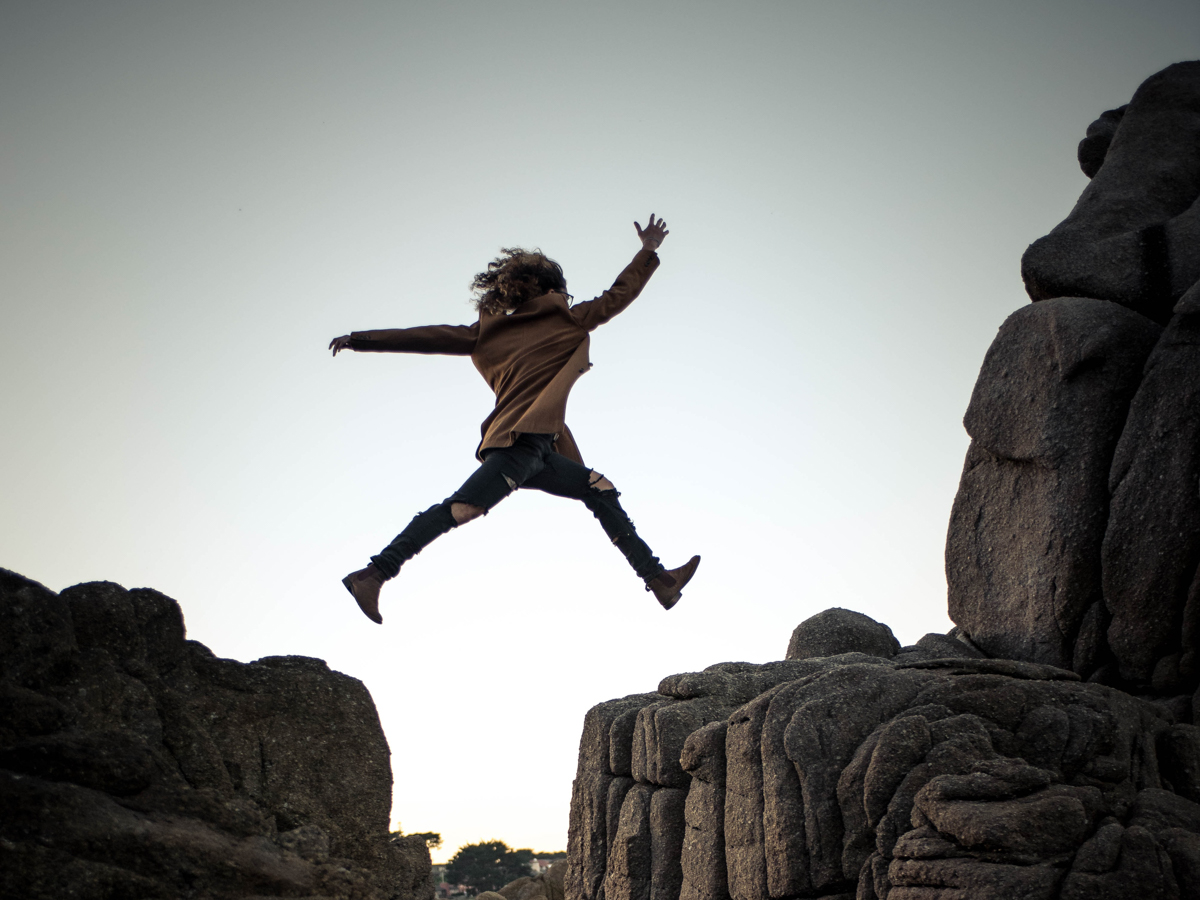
(529, 463)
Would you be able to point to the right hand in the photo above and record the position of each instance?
(340, 343)
(654, 233)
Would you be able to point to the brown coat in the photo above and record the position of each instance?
(530, 358)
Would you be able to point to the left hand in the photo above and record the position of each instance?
(340, 343)
(654, 233)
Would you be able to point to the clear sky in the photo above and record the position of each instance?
(196, 196)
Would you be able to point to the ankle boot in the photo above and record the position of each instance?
(667, 585)
(364, 586)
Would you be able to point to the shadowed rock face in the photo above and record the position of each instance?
(135, 763)
(1134, 236)
(1075, 536)
(1024, 543)
(1152, 543)
(1094, 147)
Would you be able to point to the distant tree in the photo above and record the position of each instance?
(487, 866)
(431, 838)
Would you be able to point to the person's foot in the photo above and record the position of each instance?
(667, 585)
(364, 586)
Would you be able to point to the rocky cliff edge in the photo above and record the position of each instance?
(136, 764)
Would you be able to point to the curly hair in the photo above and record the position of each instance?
(513, 277)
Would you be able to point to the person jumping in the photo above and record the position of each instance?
(530, 345)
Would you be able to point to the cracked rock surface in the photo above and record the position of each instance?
(135, 763)
(915, 777)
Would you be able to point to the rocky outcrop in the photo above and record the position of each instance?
(1152, 544)
(135, 763)
(1134, 236)
(914, 776)
(1044, 748)
(547, 886)
(841, 631)
(1075, 535)
(1024, 543)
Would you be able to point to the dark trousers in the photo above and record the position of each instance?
(529, 463)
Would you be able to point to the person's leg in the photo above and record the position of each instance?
(498, 476)
(423, 530)
(564, 477)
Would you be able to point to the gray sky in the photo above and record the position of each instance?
(197, 196)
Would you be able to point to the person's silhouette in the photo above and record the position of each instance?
(530, 345)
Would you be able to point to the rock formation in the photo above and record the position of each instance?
(135, 763)
(1075, 536)
(1023, 555)
(923, 775)
(547, 886)
(1134, 236)
(1044, 748)
(1152, 543)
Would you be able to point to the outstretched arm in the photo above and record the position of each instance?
(594, 313)
(456, 340)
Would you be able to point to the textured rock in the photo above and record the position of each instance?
(950, 879)
(1134, 235)
(547, 886)
(630, 868)
(1119, 863)
(640, 739)
(133, 762)
(336, 775)
(745, 855)
(592, 829)
(666, 843)
(1158, 810)
(830, 717)
(1179, 760)
(943, 646)
(554, 880)
(1094, 147)
(1048, 823)
(659, 735)
(934, 778)
(735, 682)
(36, 636)
(837, 631)
(618, 787)
(1152, 543)
(702, 857)
(1023, 551)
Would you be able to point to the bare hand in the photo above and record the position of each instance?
(652, 236)
(340, 343)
